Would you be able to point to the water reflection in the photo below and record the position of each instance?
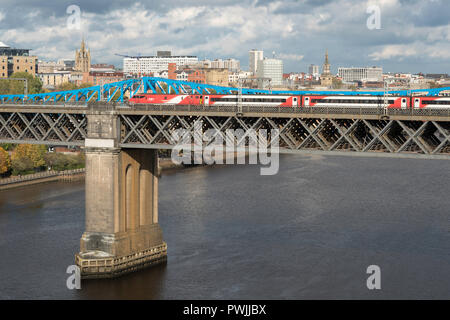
(308, 232)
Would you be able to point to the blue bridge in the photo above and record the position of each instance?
(117, 91)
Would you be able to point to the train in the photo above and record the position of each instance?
(359, 101)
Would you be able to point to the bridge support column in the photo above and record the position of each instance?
(122, 231)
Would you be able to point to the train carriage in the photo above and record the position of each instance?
(329, 101)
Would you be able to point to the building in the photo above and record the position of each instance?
(51, 80)
(83, 59)
(102, 67)
(196, 76)
(49, 66)
(101, 78)
(314, 70)
(235, 77)
(149, 65)
(232, 65)
(254, 56)
(16, 60)
(216, 76)
(367, 74)
(171, 70)
(326, 78)
(272, 70)
(69, 64)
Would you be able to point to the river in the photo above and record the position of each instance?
(309, 232)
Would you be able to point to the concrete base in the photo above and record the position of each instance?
(99, 264)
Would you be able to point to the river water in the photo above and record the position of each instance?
(309, 232)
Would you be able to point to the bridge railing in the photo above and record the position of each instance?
(330, 110)
(45, 103)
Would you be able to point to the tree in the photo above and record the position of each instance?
(34, 83)
(8, 146)
(17, 87)
(434, 85)
(59, 161)
(29, 155)
(67, 86)
(337, 83)
(5, 161)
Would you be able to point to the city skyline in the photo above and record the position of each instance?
(413, 42)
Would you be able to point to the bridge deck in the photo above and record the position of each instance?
(333, 130)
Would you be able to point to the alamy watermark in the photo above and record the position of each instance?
(74, 280)
(198, 147)
(374, 19)
(74, 19)
(374, 280)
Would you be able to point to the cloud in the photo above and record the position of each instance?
(290, 56)
(416, 50)
(413, 34)
(394, 51)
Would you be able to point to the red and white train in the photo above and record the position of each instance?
(360, 101)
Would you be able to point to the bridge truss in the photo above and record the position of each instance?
(403, 133)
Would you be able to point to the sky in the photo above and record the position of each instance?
(406, 35)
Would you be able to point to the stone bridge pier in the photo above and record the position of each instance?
(122, 233)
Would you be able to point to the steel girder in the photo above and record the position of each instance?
(339, 133)
(301, 134)
(68, 129)
(116, 91)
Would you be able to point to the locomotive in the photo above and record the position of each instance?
(360, 101)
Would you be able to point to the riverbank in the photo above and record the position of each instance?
(165, 165)
(47, 176)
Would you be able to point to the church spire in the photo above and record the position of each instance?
(83, 58)
(326, 64)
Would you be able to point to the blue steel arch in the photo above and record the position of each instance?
(116, 91)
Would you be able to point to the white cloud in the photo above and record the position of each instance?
(290, 56)
(417, 50)
(393, 51)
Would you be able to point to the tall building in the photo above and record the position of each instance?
(326, 78)
(83, 58)
(361, 74)
(232, 65)
(270, 69)
(313, 70)
(155, 64)
(254, 56)
(16, 60)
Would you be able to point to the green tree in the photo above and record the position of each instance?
(72, 86)
(8, 146)
(337, 83)
(21, 166)
(27, 157)
(34, 83)
(17, 87)
(60, 162)
(5, 161)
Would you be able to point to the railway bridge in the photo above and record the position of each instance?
(120, 141)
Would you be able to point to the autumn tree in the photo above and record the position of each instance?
(5, 161)
(27, 157)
